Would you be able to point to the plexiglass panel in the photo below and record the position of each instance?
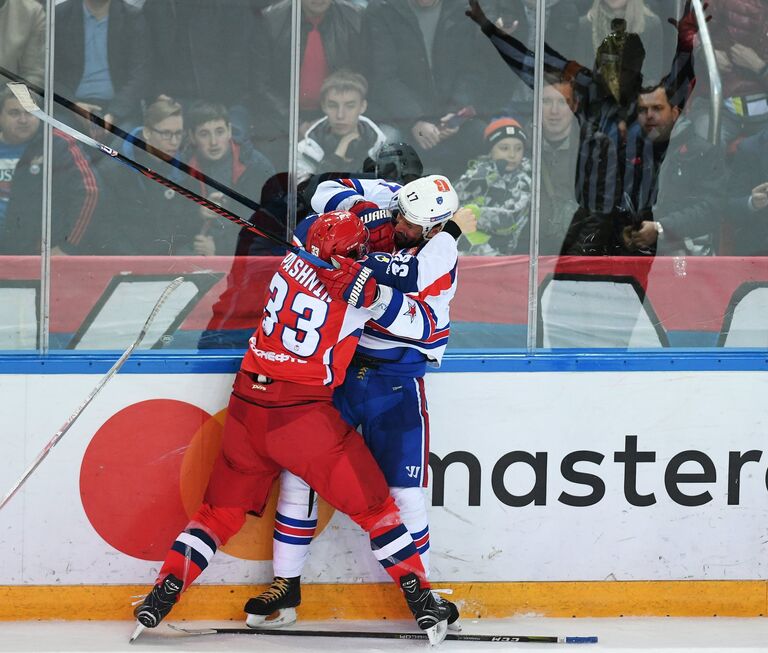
(22, 56)
(193, 97)
(650, 140)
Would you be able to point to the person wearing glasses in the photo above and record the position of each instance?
(139, 216)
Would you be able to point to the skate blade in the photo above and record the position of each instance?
(140, 628)
(283, 617)
(436, 634)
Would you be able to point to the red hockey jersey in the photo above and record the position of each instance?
(304, 336)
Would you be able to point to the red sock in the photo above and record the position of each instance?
(193, 549)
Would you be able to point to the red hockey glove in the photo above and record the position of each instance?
(382, 238)
(379, 223)
(349, 282)
(687, 27)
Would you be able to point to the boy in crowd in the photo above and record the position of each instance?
(497, 188)
(218, 155)
(344, 138)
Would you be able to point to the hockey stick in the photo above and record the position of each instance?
(78, 411)
(386, 635)
(28, 104)
(142, 145)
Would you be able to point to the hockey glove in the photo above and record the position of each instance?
(349, 282)
(379, 223)
(688, 27)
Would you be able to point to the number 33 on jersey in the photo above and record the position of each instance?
(304, 336)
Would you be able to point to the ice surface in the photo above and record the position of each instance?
(651, 635)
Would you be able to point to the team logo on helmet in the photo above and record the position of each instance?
(337, 232)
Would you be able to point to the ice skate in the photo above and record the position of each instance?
(431, 615)
(281, 597)
(158, 602)
(454, 624)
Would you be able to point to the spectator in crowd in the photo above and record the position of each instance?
(17, 127)
(75, 192)
(101, 57)
(596, 25)
(344, 138)
(330, 40)
(739, 34)
(497, 189)
(559, 153)
(423, 71)
(22, 39)
(606, 110)
(213, 50)
(140, 216)
(746, 230)
(680, 205)
(218, 155)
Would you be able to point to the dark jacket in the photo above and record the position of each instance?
(250, 172)
(689, 199)
(746, 229)
(127, 54)
(340, 31)
(403, 87)
(140, 217)
(201, 49)
(75, 196)
(317, 150)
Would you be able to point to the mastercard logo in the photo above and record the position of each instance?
(144, 474)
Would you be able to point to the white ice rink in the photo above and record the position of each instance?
(650, 635)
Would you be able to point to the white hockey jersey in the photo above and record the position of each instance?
(426, 274)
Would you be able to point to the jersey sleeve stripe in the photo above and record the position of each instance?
(338, 198)
(390, 315)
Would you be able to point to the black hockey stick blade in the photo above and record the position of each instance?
(131, 138)
(358, 634)
(28, 104)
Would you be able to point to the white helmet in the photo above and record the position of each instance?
(428, 201)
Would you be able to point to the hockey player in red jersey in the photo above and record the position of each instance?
(384, 392)
(281, 416)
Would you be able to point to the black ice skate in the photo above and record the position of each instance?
(431, 615)
(159, 602)
(453, 611)
(281, 597)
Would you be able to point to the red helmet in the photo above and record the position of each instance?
(337, 232)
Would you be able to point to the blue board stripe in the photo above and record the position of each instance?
(456, 360)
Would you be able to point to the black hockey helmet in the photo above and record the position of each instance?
(398, 162)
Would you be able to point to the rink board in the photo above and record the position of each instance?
(538, 481)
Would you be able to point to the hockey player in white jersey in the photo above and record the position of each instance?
(383, 392)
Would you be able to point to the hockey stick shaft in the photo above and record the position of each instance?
(117, 131)
(25, 99)
(459, 637)
(79, 410)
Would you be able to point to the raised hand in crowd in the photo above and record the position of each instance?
(476, 13)
(687, 27)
